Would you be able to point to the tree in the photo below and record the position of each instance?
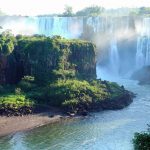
(90, 11)
(68, 11)
(7, 42)
(144, 10)
(141, 141)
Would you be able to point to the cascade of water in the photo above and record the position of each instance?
(113, 53)
(143, 45)
(114, 57)
(139, 54)
(110, 34)
(69, 27)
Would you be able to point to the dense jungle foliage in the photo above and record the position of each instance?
(43, 71)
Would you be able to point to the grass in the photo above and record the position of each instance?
(14, 99)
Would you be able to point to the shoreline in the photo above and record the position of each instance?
(11, 125)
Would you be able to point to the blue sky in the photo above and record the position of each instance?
(35, 7)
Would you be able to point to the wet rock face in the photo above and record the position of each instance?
(142, 75)
(84, 59)
(3, 66)
(11, 70)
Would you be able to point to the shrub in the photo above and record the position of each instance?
(17, 91)
(26, 86)
(141, 141)
(27, 83)
(70, 104)
(28, 78)
(75, 94)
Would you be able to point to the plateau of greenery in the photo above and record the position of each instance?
(38, 71)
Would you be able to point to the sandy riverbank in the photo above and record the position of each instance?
(14, 124)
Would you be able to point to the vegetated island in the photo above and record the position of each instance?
(38, 72)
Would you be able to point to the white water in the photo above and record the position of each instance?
(69, 27)
(108, 33)
(114, 58)
(143, 45)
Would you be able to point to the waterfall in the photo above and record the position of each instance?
(114, 57)
(143, 45)
(110, 34)
(140, 60)
(69, 27)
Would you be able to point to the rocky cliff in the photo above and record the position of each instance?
(47, 59)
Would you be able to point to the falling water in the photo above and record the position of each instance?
(69, 27)
(108, 34)
(114, 57)
(143, 45)
(113, 51)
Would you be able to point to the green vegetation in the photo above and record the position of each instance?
(7, 43)
(68, 11)
(90, 11)
(41, 71)
(72, 95)
(15, 100)
(76, 95)
(45, 58)
(75, 92)
(100, 11)
(141, 141)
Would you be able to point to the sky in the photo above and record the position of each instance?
(37, 7)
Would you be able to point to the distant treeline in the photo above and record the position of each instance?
(101, 11)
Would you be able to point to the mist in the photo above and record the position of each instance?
(119, 40)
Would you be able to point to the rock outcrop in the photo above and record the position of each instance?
(142, 75)
(45, 58)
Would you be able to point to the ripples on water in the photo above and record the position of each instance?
(108, 130)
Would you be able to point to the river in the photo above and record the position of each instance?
(107, 130)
